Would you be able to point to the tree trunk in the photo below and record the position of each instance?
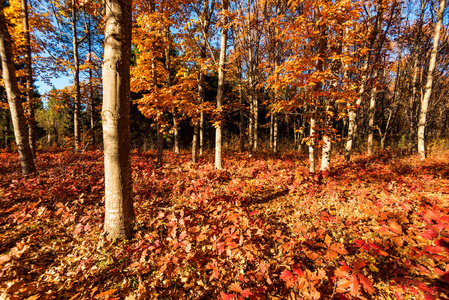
(326, 154)
(275, 132)
(175, 131)
(91, 88)
(220, 90)
(352, 113)
(201, 132)
(428, 88)
(312, 146)
(175, 115)
(196, 128)
(256, 118)
(76, 81)
(119, 212)
(29, 79)
(271, 130)
(15, 103)
(160, 145)
(242, 115)
(371, 114)
(412, 100)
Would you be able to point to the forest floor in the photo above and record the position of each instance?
(263, 228)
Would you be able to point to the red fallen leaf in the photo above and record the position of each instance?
(429, 234)
(366, 283)
(235, 287)
(104, 294)
(446, 277)
(286, 275)
(439, 271)
(224, 296)
(298, 272)
(246, 293)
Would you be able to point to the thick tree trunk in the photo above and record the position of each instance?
(76, 81)
(29, 79)
(220, 90)
(15, 103)
(119, 212)
(428, 88)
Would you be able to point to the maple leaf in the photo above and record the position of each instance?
(366, 283)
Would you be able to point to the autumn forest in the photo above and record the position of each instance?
(224, 149)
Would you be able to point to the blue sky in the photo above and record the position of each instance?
(58, 83)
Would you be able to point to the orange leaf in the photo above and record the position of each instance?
(366, 283)
(235, 287)
(104, 294)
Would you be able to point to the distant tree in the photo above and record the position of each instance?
(54, 118)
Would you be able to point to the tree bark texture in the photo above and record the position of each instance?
(14, 101)
(29, 79)
(429, 82)
(119, 213)
(76, 81)
(220, 90)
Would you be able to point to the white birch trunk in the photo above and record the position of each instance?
(428, 88)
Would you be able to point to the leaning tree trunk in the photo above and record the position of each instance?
(15, 103)
(428, 88)
(29, 79)
(221, 79)
(76, 79)
(119, 213)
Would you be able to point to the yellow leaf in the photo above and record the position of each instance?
(373, 268)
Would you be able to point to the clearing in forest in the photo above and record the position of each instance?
(263, 228)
